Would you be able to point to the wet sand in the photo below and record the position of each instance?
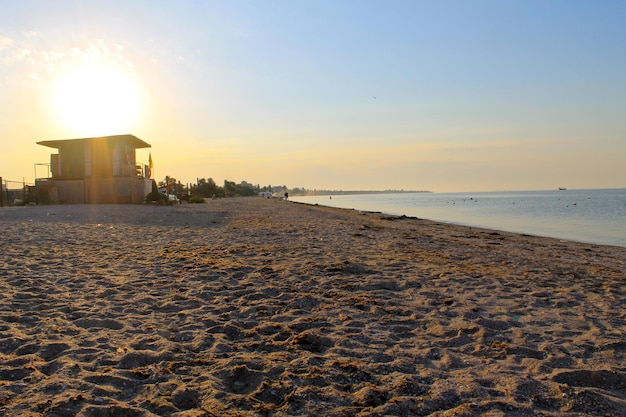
(246, 307)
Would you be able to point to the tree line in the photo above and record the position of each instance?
(208, 188)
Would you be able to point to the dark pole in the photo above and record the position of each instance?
(1, 194)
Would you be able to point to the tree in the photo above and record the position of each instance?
(208, 188)
(230, 188)
(245, 189)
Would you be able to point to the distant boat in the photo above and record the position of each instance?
(562, 188)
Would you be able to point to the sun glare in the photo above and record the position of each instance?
(96, 101)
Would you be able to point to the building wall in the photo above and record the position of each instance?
(101, 164)
(72, 163)
(93, 159)
(121, 190)
(114, 190)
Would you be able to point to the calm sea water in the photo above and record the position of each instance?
(593, 216)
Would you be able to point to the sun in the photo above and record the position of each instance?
(97, 100)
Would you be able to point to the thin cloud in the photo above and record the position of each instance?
(5, 42)
(36, 59)
(35, 77)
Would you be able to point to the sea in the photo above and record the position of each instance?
(591, 216)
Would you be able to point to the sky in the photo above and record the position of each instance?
(443, 96)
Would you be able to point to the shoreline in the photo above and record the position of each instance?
(268, 307)
(577, 229)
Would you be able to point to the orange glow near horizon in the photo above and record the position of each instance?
(97, 100)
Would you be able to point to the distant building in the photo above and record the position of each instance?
(100, 170)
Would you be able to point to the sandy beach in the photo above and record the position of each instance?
(264, 307)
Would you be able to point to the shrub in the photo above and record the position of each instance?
(196, 199)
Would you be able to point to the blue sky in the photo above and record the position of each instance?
(443, 96)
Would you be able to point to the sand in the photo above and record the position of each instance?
(245, 307)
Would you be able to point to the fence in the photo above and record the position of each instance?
(16, 193)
